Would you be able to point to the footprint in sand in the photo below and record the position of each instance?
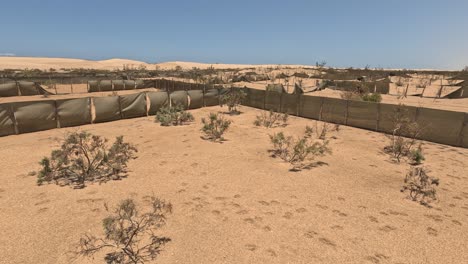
(327, 242)
(264, 203)
(266, 228)
(242, 212)
(288, 215)
(337, 227)
(310, 234)
(301, 210)
(274, 202)
(237, 196)
(373, 219)
(431, 231)
(456, 222)
(271, 252)
(251, 247)
(43, 209)
(339, 213)
(388, 228)
(324, 207)
(377, 258)
(436, 218)
(42, 202)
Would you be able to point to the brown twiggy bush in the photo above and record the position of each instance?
(271, 119)
(84, 157)
(214, 127)
(321, 130)
(173, 116)
(405, 134)
(298, 151)
(129, 234)
(420, 186)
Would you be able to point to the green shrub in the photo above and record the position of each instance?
(272, 119)
(233, 99)
(298, 151)
(129, 234)
(84, 157)
(173, 116)
(416, 156)
(215, 126)
(372, 97)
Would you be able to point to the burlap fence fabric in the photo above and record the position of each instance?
(362, 115)
(93, 86)
(310, 107)
(157, 100)
(106, 109)
(273, 101)
(105, 85)
(7, 124)
(28, 88)
(211, 97)
(74, 112)
(196, 99)
(179, 98)
(464, 133)
(441, 126)
(387, 113)
(133, 105)
(255, 98)
(8, 89)
(118, 85)
(290, 104)
(35, 116)
(129, 84)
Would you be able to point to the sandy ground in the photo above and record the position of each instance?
(233, 203)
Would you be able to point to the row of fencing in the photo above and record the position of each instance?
(21, 88)
(167, 85)
(446, 127)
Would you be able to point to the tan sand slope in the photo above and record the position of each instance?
(233, 203)
(67, 63)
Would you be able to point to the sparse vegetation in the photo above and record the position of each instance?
(215, 126)
(84, 157)
(298, 151)
(416, 156)
(129, 234)
(233, 99)
(173, 116)
(404, 134)
(321, 130)
(271, 119)
(420, 186)
(372, 97)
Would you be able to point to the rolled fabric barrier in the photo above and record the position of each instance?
(179, 98)
(106, 109)
(8, 89)
(157, 100)
(310, 106)
(211, 97)
(118, 85)
(105, 85)
(28, 88)
(35, 116)
(93, 86)
(7, 124)
(196, 99)
(133, 105)
(74, 112)
(129, 84)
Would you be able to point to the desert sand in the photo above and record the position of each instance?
(233, 203)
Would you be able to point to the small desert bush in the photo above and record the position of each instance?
(129, 233)
(350, 95)
(416, 156)
(372, 97)
(173, 116)
(84, 157)
(214, 127)
(420, 186)
(298, 151)
(404, 135)
(233, 99)
(322, 130)
(271, 119)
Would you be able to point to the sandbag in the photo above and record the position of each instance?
(133, 105)
(310, 106)
(334, 110)
(179, 98)
(7, 125)
(105, 85)
(118, 85)
(93, 86)
(211, 97)
(74, 112)
(273, 101)
(35, 116)
(196, 99)
(8, 89)
(129, 84)
(27, 88)
(106, 109)
(157, 100)
(255, 98)
(290, 104)
(362, 114)
(387, 113)
(440, 126)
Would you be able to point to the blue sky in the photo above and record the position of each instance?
(404, 34)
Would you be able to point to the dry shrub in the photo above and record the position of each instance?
(84, 157)
(404, 134)
(129, 234)
(233, 99)
(271, 119)
(420, 186)
(298, 151)
(350, 95)
(173, 116)
(215, 126)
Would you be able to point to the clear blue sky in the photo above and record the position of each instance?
(396, 33)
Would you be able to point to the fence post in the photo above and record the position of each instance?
(462, 131)
(346, 113)
(377, 125)
(322, 99)
(13, 118)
